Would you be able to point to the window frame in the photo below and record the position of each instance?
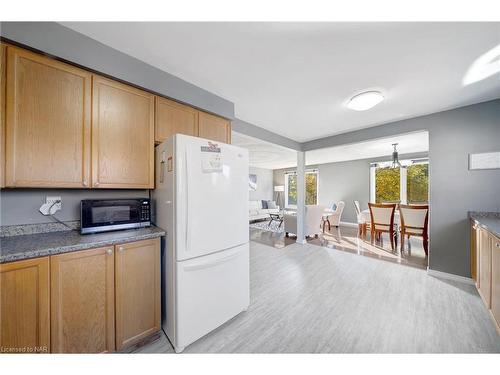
(403, 176)
(308, 171)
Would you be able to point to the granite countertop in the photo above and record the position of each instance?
(42, 244)
(487, 220)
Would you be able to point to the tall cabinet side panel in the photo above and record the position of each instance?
(164, 216)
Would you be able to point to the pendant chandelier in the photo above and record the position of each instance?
(395, 157)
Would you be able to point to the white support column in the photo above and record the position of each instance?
(301, 196)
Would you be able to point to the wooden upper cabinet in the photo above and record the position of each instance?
(214, 127)
(3, 73)
(138, 298)
(82, 301)
(24, 306)
(47, 122)
(173, 118)
(122, 136)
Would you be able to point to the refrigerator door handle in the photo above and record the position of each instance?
(188, 230)
(209, 264)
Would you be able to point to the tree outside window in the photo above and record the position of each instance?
(409, 184)
(311, 188)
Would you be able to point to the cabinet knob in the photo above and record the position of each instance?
(120, 249)
(96, 183)
(497, 244)
(109, 251)
(85, 183)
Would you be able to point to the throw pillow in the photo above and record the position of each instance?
(334, 207)
(271, 205)
(264, 205)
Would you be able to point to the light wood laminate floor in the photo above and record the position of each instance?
(313, 299)
(346, 238)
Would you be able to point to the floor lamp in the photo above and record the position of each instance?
(279, 189)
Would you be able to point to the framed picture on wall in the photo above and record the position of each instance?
(252, 182)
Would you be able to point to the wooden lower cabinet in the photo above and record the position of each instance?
(24, 306)
(83, 301)
(484, 260)
(474, 238)
(3, 77)
(495, 280)
(138, 298)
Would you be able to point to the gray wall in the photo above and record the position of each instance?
(265, 187)
(454, 190)
(346, 181)
(343, 181)
(20, 206)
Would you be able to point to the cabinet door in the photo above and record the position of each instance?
(3, 72)
(47, 122)
(172, 118)
(82, 301)
(122, 136)
(138, 298)
(214, 128)
(495, 279)
(474, 238)
(485, 266)
(24, 306)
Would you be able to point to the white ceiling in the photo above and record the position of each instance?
(294, 78)
(267, 155)
(263, 154)
(407, 144)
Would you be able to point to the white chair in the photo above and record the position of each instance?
(331, 217)
(363, 222)
(382, 220)
(415, 222)
(312, 220)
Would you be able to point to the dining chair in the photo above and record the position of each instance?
(363, 224)
(415, 222)
(382, 221)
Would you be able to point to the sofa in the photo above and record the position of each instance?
(257, 212)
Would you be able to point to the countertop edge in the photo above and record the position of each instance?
(480, 222)
(78, 247)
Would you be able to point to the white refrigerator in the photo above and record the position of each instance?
(201, 200)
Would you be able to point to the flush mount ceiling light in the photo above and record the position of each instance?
(365, 100)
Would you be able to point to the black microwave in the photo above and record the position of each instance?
(103, 215)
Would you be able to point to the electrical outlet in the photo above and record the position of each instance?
(51, 200)
(49, 208)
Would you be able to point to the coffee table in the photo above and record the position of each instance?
(275, 217)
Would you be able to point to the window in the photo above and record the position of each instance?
(387, 185)
(417, 183)
(408, 184)
(291, 188)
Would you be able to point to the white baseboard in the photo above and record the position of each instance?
(450, 276)
(348, 224)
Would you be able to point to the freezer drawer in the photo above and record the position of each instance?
(210, 290)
